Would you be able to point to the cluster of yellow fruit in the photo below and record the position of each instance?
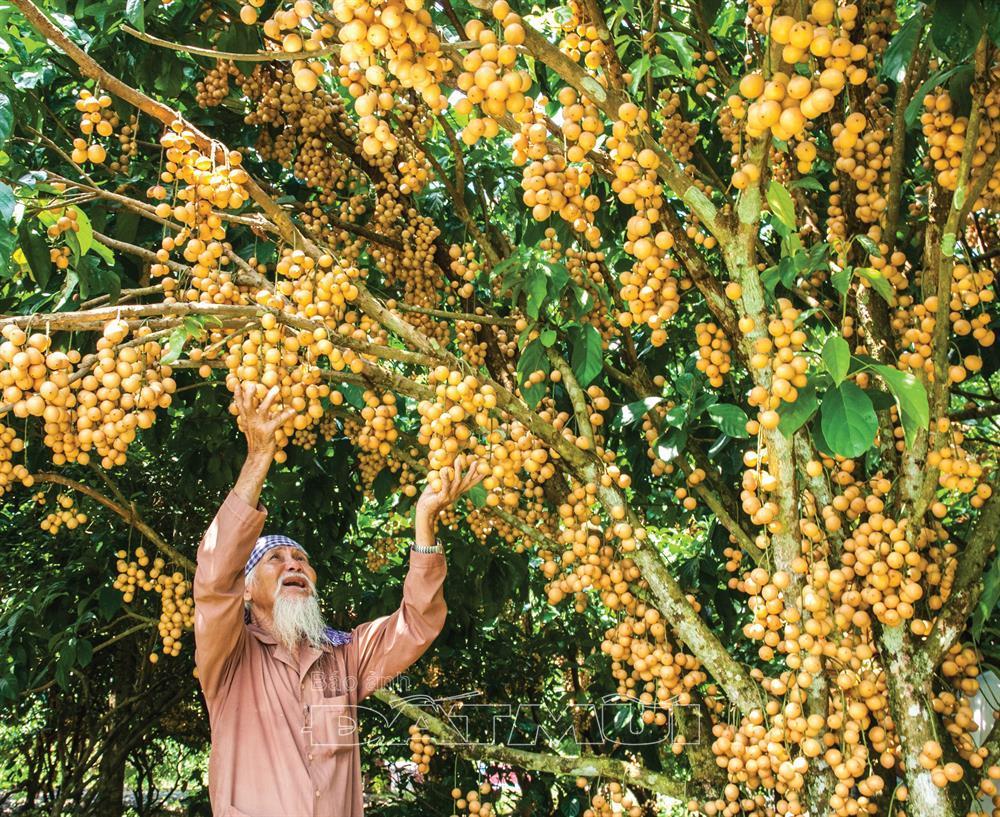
(613, 800)
(550, 183)
(959, 470)
(379, 431)
(95, 116)
(471, 802)
(214, 88)
(778, 357)
(402, 36)
(488, 78)
(786, 103)
(692, 480)
(713, 353)
(101, 407)
(650, 289)
(677, 135)
(581, 39)
(176, 605)
(421, 748)
(318, 289)
(273, 356)
(448, 423)
(823, 609)
(946, 135)
(67, 515)
(200, 185)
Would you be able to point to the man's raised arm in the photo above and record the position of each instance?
(224, 549)
(388, 645)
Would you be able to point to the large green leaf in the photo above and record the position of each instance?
(781, 204)
(633, 412)
(6, 119)
(956, 27)
(988, 599)
(897, 56)
(7, 203)
(848, 420)
(36, 251)
(911, 398)
(837, 358)
(797, 413)
(135, 13)
(85, 235)
(731, 419)
(587, 356)
(8, 240)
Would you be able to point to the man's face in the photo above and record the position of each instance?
(283, 571)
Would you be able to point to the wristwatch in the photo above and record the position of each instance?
(420, 549)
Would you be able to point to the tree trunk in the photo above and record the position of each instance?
(909, 681)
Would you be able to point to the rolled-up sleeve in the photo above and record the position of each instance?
(219, 629)
(388, 645)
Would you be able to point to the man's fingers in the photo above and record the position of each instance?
(249, 399)
(269, 398)
(454, 489)
(471, 478)
(238, 399)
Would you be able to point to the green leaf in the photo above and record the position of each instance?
(837, 357)
(731, 419)
(796, 414)
(175, 345)
(633, 412)
(548, 337)
(988, 599)
(670, 445)
(135, 13)
(104, 252)
(848, 420)
(84, 652)
(537, 286)
(638, 70)
(916, 106)
(781, 204)
(7, 203)
(6, 119)
(533, 358)
(676, 417)
(841, 279)
(477, 496)
(878, 282)
(85, 235)
(956, 27)
(911, 398)
(869, 246)
(8, 240)
(36, 251)
(808, 183)
(587, 356)
(897, 55)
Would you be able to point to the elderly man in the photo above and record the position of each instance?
(281, 687)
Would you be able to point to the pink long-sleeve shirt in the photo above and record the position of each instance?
(284, 732)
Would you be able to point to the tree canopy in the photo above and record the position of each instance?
(710, 287)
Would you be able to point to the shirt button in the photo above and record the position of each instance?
(317, 792)
(310, 756)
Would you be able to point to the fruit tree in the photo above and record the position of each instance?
(708, 286)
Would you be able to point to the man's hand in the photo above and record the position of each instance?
(258, 425)
(465, 475)
(257, 422)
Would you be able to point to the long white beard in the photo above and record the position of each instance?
(296, 620)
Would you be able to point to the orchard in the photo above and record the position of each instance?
(709, 289)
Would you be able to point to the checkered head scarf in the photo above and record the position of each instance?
(261, 548)
(264, 545)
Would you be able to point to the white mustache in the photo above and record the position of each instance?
(292, 580)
